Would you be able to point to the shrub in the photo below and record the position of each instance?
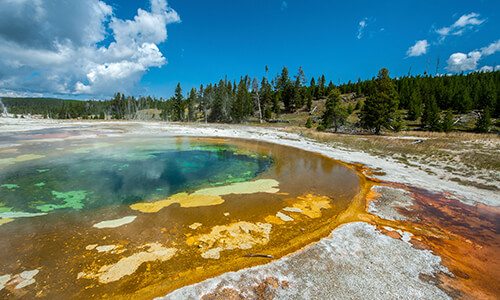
(309, 123)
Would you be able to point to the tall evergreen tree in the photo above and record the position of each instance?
(309, 100)
(321, 86)
(178, 105)
(430, 117)
(380, 107)
(217, 113)
(335, 115)
(313, 88)
(242, 105)
(464, 104)
(447, 122)
(285, 89)
(191, 104)
(483, 124)
(266, 98)
(414, 105)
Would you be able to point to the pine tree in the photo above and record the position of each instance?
(239, 108)
(397, 123)
(285, 89)
(178, 105)
(447, 122)
(191, 103)
(330, 88)
(313, 88)
(414, 105)
(430, 117)
(321, 86)
(483, 124)
(464, 100)
(298, 97)
(309, 123)
(489, 96)
(309, 100)
(204, 96)
(335, 115)
(405, 94)
(266, 96)
(276, 98)
(380, 107)
(219, 112)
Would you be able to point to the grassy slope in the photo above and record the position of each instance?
(467, 158)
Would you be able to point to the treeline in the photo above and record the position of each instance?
(236, 102)
(433, 102)
(120, 107)
(383, 102)
(48, 107)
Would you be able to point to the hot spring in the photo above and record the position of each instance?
(141, 216)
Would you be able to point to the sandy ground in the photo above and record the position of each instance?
(358, 260)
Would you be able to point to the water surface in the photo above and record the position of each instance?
(224, 205)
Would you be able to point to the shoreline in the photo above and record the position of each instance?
(394, 170)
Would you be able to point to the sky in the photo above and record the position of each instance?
(91, 49)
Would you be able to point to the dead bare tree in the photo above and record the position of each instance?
(255, 89)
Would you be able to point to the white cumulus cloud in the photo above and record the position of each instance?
(463, 23)
(461, 62)
(420, 48)
(489, 68)
(78, 47)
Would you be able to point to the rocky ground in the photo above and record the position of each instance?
(430, 229)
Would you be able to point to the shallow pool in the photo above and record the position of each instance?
(141, 216)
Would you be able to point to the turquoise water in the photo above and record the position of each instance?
(93, 178)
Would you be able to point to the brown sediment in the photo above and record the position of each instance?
(468, 242)
(264, 290)
(465, 237)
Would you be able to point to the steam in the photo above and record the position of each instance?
(4, 112)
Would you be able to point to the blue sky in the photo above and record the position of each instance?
(344, 40)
